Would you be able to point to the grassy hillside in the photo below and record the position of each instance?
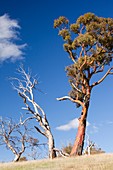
(94, 162)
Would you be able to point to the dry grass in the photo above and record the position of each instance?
(94, 162)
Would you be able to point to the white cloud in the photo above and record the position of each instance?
(9, 33)
(73, 124)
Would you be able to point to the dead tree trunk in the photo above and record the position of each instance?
(17, 157)
(25, 88)
(51, 145)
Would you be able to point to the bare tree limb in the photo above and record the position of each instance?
(63, 154)
(71, 56)
(76, 88)
(25, 120)
(71, 99)
(40, 131)
(101, 80)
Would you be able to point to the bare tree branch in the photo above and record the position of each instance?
(76, 88)
(71, 56)
(71, 99)
(25, 120)
(40, 131)
(63, 154)
(101, 80)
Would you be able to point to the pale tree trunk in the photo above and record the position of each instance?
(17, 157)
(51, 145)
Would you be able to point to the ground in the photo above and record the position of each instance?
(93, 162)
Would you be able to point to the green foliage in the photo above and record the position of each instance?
(85, 39)
(92, 32)
(67, 47)
(60, 21)
(65, 34)
(86, 18)
(75, 28)
(89, 43)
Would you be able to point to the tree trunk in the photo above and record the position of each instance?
(79, 142)
(51, 145)
(17, 157)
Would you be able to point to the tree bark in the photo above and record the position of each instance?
(17, 157)
(79, 142)
(51, 145)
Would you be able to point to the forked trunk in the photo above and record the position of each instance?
(79, 142)
(17, 157)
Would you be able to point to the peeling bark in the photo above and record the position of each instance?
(79, 142)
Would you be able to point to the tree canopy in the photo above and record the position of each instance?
(89, 43)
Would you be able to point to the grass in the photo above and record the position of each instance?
(93, 162)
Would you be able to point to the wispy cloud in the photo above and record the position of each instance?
(8, 33)
(73, 124)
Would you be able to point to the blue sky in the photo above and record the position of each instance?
(44, 54)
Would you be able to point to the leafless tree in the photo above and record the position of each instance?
(89, 145)
(15, 136)
(25, 84)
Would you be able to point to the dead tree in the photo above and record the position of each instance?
(14, 136)
(25, 88)
(89, 145)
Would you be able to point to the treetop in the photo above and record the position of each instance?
(90, 36)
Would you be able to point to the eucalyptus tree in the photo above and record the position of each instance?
(26, 86)
(89, 44)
